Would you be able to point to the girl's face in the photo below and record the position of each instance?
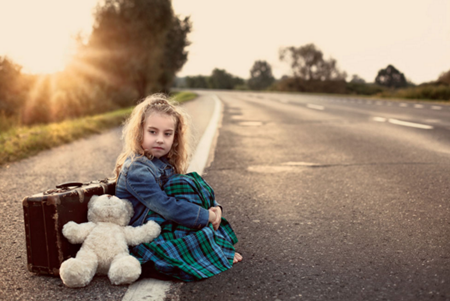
(159, 132)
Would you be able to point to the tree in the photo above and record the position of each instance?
(307, 63)
(175, 55)
(12, 87)
(445, 77)
(198, 81)
(357, 80)
(260, 76)
(221, 79)
(391, 77)
(137, 44)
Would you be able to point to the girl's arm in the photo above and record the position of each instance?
(142, 184)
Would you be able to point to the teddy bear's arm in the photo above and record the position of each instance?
(77, 233)
(142, 234)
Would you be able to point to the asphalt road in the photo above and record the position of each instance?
(332, 199)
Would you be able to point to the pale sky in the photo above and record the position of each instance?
(363, 36)
(37, 34)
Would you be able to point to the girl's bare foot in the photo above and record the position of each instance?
(237, 257)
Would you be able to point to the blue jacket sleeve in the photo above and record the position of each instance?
(141, 183)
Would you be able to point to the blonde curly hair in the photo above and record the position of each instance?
(133, 133)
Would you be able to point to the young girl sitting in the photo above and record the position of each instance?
(196, 242)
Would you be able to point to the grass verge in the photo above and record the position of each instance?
(183, 96)
(22, 142)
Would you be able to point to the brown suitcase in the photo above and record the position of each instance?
(46, 213)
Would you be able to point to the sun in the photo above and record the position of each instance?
(39, 35)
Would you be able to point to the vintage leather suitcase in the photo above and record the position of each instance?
(46, 213)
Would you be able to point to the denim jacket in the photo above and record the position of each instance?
(141, 181)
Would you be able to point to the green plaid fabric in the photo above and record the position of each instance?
(185, 253)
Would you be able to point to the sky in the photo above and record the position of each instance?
(38, 34)
(362, 36)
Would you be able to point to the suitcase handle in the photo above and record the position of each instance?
(69, 184)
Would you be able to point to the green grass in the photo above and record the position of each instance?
(183, 96)
(22, 142)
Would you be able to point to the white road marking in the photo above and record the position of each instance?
(436, 107)
(410, 124)
(149, 289)
(418, 106)
(299, 164)
(315, 107)
(251, 123)
(379, 119)
(201, 154)
(432, 120)
(403, 105)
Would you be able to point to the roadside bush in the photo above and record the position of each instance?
(316, 86)
(429, 91)
(363, 88)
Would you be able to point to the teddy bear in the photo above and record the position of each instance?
(105, 239)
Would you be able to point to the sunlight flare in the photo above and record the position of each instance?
(39, 35)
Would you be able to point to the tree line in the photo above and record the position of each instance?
(311, 72)
(135, 48)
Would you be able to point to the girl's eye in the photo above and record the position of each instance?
(168, 134)
(152, 132)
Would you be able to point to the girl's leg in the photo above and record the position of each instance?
(191, 188)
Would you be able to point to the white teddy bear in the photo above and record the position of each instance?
(105, 240)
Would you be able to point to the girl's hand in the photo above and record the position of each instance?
(216, 212)
(212, 216)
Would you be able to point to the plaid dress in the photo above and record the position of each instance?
(185, 253)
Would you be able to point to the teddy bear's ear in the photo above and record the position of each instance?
(129, 207)
(91, 201)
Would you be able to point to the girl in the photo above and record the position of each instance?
(196, 242)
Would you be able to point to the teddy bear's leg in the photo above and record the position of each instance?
(124, 269)
(79, 271)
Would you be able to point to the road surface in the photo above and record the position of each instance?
(332, 198)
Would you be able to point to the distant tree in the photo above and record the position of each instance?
(357, 80)
(221, 79)
(260, 76)
(198, 81)
(391, 77)
(11, 98)
(444, 77)
(307, 63)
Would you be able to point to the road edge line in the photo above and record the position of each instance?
(202, 152)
